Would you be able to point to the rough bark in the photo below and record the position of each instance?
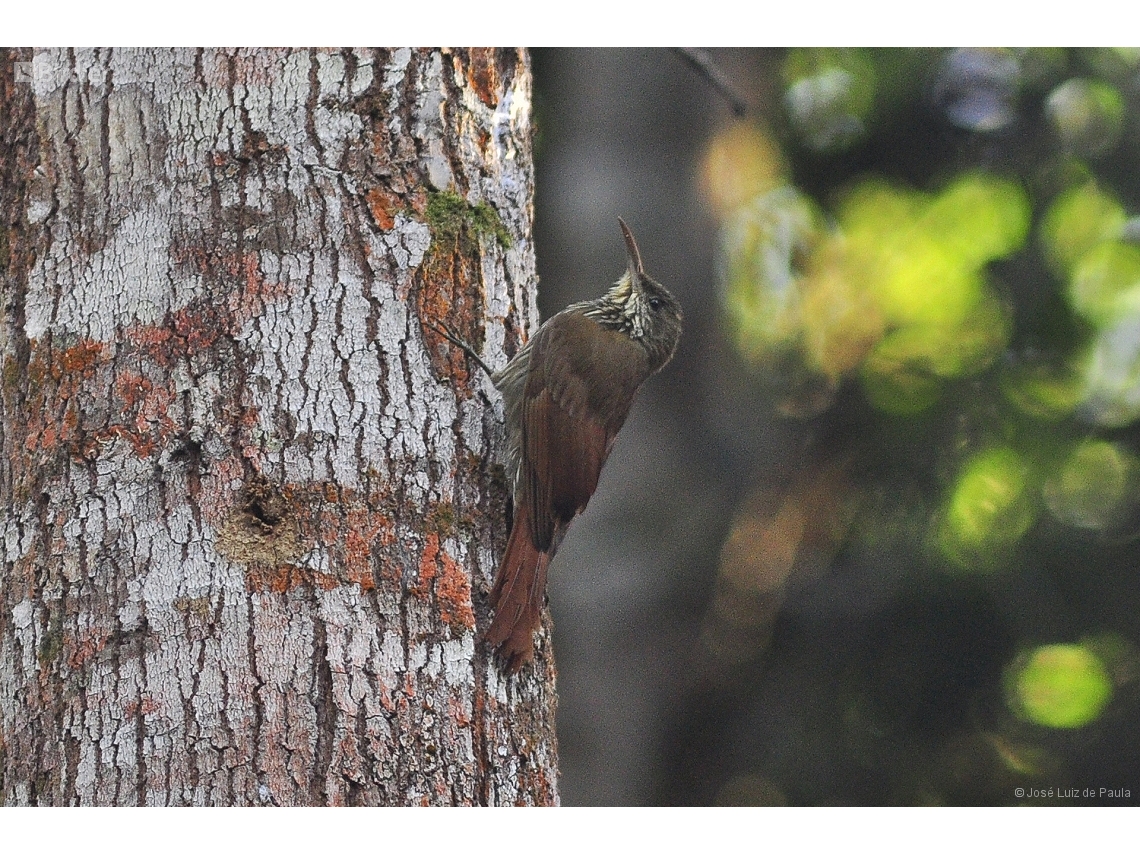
(251, 506)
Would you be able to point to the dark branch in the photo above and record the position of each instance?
(462, 345)
(699, 59)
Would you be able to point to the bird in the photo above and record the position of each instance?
(566, 394)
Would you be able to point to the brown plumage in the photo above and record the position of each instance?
(566, 394)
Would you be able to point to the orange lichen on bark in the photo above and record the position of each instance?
(458, 711)
(246, 420)
(149, 337)
(54, 381)
(384, 695)
(68, 367)
(534, 781)
(82, 650)
(383, 205)
(451, 585)
(450, 360)
(78, 399)
(257, 291)
(349, 528)
(483, 75)
(81, 357)
(196, 327)
(453, 591)
(144, 419)
(47, 439)
(145, 706)
(187, 332)
(357, 553)
(286, 577)
(429, 565)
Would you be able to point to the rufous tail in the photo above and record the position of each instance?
(518, 597)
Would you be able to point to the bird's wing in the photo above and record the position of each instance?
(568, 425)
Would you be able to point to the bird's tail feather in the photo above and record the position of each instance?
(518, 597)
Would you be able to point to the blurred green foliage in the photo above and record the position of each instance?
(828, 94)
(999, 375)
(1079, 219)
(1087, 115)
(990, 508)
(1061, 685)
(896, 288)
(1088, 489)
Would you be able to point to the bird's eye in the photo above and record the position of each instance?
(655, 303)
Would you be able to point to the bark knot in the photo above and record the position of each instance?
(261, 528)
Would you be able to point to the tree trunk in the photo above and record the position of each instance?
(251, 505)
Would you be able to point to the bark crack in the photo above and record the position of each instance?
(327, 714)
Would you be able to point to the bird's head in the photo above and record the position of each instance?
(643, 308)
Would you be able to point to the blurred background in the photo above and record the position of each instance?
(873, 537)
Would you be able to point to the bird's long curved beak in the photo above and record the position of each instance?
(632, 252)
